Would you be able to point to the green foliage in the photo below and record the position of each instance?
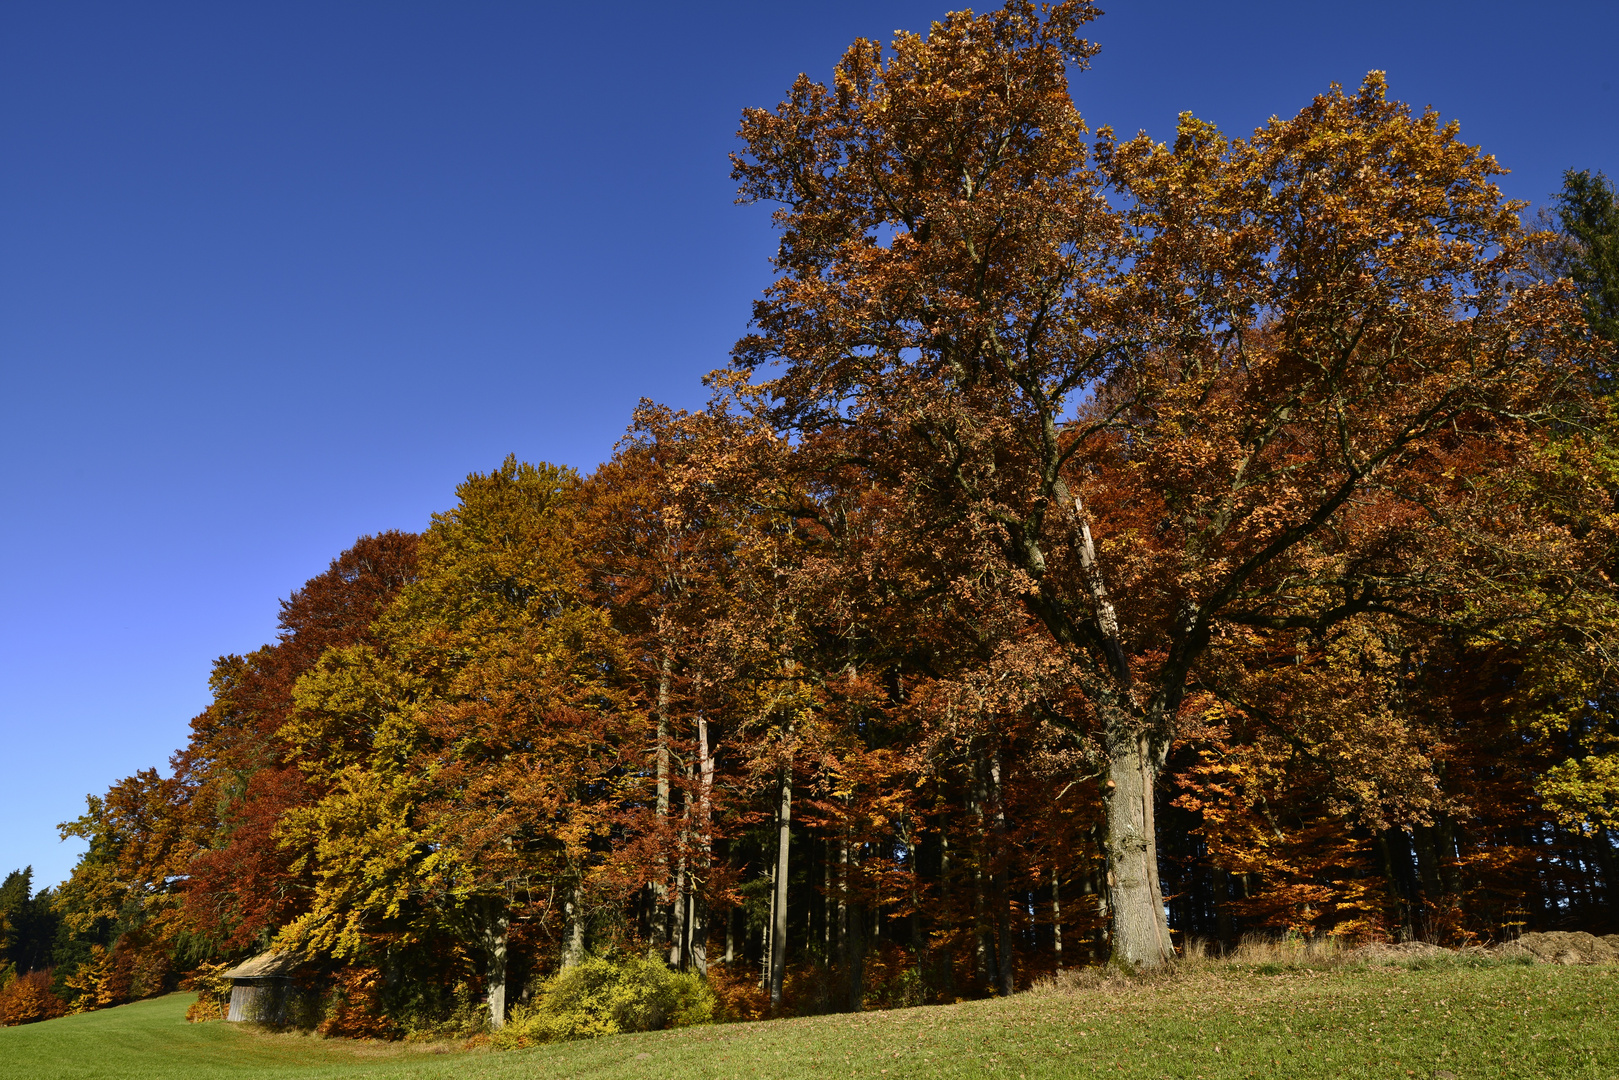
(608, 995)
(28, 923)
(1589, 215)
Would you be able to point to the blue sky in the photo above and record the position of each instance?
(273, 276)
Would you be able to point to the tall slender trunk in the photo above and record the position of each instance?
(919, 940)
(981, 945)
(999, 892)
(697, 943)
(1056, 915)
(1224, 927)
(1449, 869)
(854, 934)
(679, 928)
(828, 904)
(947, 967)
(843, 900)
(1096, 885)
(1140, 929)
(778, 913)
(660, 884)
(765, 951)
(680, 936)
(1427, 872)
(495, 947)
(733, 913)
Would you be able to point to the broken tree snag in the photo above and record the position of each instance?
(1107, 620)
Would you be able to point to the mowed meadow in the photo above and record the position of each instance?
(1436, 1018)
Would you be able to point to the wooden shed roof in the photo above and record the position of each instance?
(266, 966)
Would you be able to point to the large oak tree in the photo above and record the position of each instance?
(1193, 387)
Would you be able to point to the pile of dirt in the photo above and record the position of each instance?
(1563, 947)
(1406, 950)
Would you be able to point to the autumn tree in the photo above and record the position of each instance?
(183, 866)
(1230, 403)
(468, 758)
(656, 555)
(241, 888)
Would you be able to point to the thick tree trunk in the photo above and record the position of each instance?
(495, 946)
(1135, 899)
(1140, 930)
(573, 942)
(778, 915)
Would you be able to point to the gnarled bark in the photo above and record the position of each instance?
(1140, 928)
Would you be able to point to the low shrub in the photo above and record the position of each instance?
(606, 995)
(737, 993)
(28, 999)
(213, 993)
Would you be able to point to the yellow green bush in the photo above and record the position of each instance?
(606, 995)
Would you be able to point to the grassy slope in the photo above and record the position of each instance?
(1538, 1021)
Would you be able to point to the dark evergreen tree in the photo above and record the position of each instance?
(27, 922)
(1589, 216)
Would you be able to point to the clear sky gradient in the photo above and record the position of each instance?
(276, 275)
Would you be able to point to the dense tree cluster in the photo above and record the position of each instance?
(1097, 544)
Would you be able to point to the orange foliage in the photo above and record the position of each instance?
(28, 999)
(355, 1008)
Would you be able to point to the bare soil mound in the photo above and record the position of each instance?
(1564, 947)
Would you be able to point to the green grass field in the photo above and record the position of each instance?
(1467, 1022)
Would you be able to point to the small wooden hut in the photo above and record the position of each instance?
(262, 989)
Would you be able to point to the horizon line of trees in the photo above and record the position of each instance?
(1097, 544)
